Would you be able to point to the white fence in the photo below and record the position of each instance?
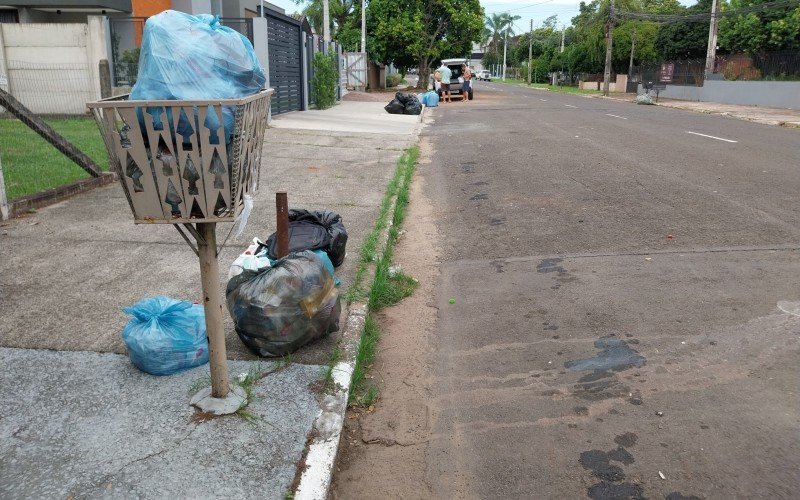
(53, 68)
(356, 69)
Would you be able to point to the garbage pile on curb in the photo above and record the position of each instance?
(404, 104)
(295, 300)
(277, 304)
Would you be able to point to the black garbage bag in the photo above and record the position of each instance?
(395, 107)
(411, 105)
(414, 107)
(281, 308)
(404, 98)
(304, 234)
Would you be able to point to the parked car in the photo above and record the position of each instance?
(484, 75)
(455, 84)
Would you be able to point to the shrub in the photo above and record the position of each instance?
(323, 84)
(393, 80)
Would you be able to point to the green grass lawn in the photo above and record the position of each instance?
(554, 88)
(565, 89)
(31, 164)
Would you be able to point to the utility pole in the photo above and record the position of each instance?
(711, 52)
(363, 26)
(562, 40)
(633, 46)
(505, 47)
(530, 53)
(326, 24)
(609, 44)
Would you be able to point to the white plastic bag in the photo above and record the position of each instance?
(249, 260)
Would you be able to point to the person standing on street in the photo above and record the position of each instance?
(466, 74)
(445, 83)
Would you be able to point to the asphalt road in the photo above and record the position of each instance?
(607, 304)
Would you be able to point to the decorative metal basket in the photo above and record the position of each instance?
(177, 161)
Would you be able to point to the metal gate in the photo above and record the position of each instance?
(285, 37)
(356, 68)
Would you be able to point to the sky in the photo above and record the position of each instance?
(536, 10)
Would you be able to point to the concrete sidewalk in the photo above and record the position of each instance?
(767, 116)
(77, 419)
(351, 116)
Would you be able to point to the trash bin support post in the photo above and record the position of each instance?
(212, 303)
(282, 211)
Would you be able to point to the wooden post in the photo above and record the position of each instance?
(282, 209)
(4, 208)
(212, 302)
(105, 79)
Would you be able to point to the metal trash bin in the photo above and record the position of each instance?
(174, 164)
(178, 165)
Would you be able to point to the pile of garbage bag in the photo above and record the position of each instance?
(255, 258)
(195, 57)
(314, 230)
(166, 335)
(405, 104)
(278, 309)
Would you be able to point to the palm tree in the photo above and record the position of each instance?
(493, 30)
(340, 13)
(497, 27)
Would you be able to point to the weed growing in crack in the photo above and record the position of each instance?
(327, 378)
(199, 384)
(247, 382)
(368, 398)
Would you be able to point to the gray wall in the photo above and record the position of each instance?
(758, 93)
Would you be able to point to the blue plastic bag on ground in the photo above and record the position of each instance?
(431, 99)
(195, 57)
(165, 335)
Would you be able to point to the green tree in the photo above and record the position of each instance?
(766, 30)
(497, 28)
(418, 32)
(644, 49)
(684, 40)
(345, 17)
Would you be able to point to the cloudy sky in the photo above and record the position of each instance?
(536, 10)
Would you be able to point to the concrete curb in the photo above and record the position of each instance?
(730, 114)
(323, 445)
(57, 194)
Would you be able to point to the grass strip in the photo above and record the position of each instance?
(389, 286)
(565, 89)
(32, 165)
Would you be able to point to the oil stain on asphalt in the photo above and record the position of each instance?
(602, 383)
(611, 475)
(615, 355)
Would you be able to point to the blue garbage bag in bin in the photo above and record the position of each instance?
(165, 335)
(195, 57)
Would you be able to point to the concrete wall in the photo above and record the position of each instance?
(53, 68)
(621, 83)
(752, 93)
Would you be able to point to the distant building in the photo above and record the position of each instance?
(62, 11)
(476, 57)
(76, 11)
